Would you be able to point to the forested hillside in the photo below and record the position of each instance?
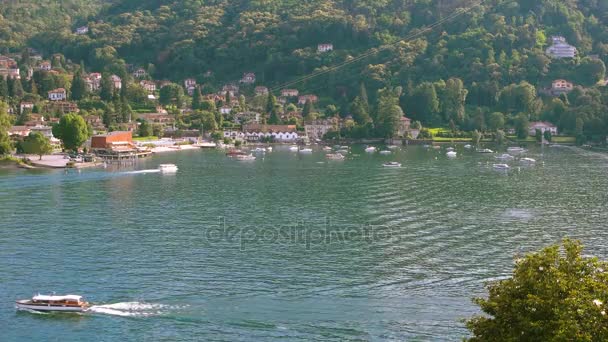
(489, 59)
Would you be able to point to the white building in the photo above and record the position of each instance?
(280, 133)
(116, 82)
(26, 105)
(93, 81)
(248, 78)
(561, 49)
(148, 85)
(325, 47)
(542, 126)
(305, 98)
(45, 65)
(140, 73)
(559, 87)
(58, 94)
(82, 30)
(290, 93)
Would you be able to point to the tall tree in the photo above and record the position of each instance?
(197, 99)
(79, 86)
(171, 94)
(389, 113)
(3, 88)
(5, 124)
(107, 88)
(359, 111)
(453, 99)
(72, 130)
(17, 88)
(271, 109)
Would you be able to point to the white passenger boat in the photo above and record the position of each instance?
(451, 154)
(370, 149)
(392, 164)
(500, 167)
(67, 303)
(293, 148)
(167, 168)
(527, 161)
(334, 156)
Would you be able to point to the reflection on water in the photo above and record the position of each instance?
(207, 253)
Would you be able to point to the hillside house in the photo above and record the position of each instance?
(248, 78)
(404, 126)
(140, 73)
(149, 86)
(318, 128)
(290, 93)
(116, 82)
(45, 66)
(325, 48)
(233, 90)
(82, 30)
(26, 106)
(305, 98)
(58, 94)
(259, 91)
(93, 81)
(561, 49)
(560, 86)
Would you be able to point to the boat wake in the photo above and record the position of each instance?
(132, 309)
(33, 311)
(142, 171)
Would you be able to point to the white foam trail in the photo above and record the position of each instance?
(142, 171)
(132, 309)
(33, 311)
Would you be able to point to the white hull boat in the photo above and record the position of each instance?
(244, 157)
(392, 164)
(452, 154)
(68, 303)
(500, 167)
(527, 161)
(484, 150)
(468, 146)
(335, 156)
(370, 150)
(385, 152)
(516, 150)
(167, 168)
(306, 151)
(505, 157)
(293, 148)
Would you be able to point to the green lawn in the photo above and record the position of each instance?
(145, 138)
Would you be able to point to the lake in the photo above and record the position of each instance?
(286, 247)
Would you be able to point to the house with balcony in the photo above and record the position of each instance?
(543, 126)
(306, 98)
(560, 86)
(248, 78)
(561, 49)
(290, 93)
(58, 94)
(260, 91)
(317, 129)
(116, 82)
(327, 47)
(149, 86)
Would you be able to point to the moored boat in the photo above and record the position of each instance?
(306, 150)
(516, 150)
(385, 152)
(167, 168)
(527, 161)
(451, 154)
(468, 146)
(334, 156)
(67, 303)
(392, 164)
(244, 157)
(484, 150)
(293, 148)
(500, 166)
(505, 156)
(370, 149)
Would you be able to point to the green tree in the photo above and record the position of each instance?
(359, 111)
(548, 136)
(500, 137)
(590, 71)
(496, 121)
(16, 89)
(3, 88)
(38, 144)
(271, 109)
(107, 88)
(72, 130)
(197, 99)
(5, 124)
(171, 94)
(145, 129)
(208, 122)
(557, 294)
(389, 113)
(308, 112)
(79, 87)
(424, 103)
(521, 125)
(453, 98)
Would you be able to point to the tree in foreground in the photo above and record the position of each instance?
(554, 295)
(38, 144)
(72, 130)
(5, 124)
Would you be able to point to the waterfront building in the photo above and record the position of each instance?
(317, 129)
(542, 126)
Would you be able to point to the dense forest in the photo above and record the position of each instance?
(490, 59)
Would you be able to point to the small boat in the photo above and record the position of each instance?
(306, 150)
(527, 161)
(294, 148)
(484, 150)
(468, 146)
(268, 149)
(451, 154)
(392, 147)
(449, 149)
(505, 156)
(370, 149)
(342, 151)
(167, 168)
(232, 153)
(343, 147)
(327, 148)
(392, 164)
(500, 166)
(436, 147)
(67, 303)
(259, 150)
(244, 157)
(385, 152)
(516, 150)
(334, 156)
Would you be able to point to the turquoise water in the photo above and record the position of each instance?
(287, 247)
